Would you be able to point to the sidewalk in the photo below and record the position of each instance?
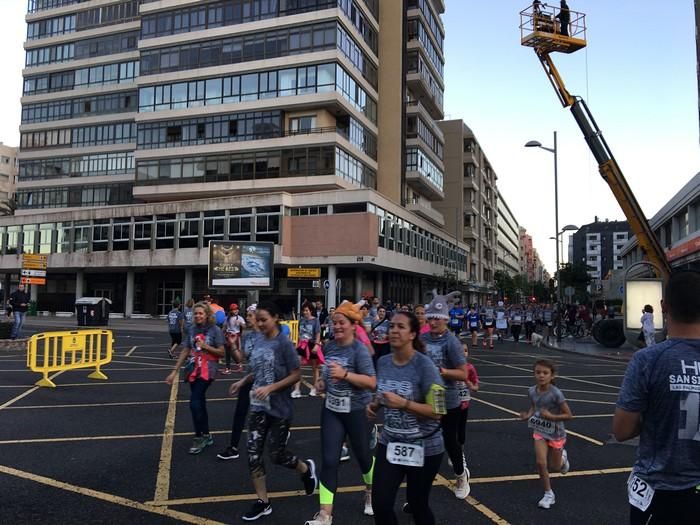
(71, 323)
(588, 346)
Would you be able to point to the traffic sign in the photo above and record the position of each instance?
(304, 273)
(327, 284)
(32, 261)
(32, 280)
(33, 273)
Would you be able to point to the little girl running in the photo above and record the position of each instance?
(548, 411)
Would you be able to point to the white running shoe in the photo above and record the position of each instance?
(462, 488)
(344, 454)
(320, 518)
(369, 511)
(312, 392)
(296, 394)
(564, 462)
(547, 500)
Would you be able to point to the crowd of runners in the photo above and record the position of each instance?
(406, 365)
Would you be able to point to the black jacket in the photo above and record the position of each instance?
(17, 299)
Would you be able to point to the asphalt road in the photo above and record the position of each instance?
(108, 452)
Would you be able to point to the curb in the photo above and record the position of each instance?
(607, 357)
(12, 345)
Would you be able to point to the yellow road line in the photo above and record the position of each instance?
(495, 518)
(110, 498)
(504, 409)
(133, 348)
(25, 394)
(115, 404)
(166, 449)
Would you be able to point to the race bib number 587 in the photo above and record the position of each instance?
(409, 454)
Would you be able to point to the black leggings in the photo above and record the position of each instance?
(529, 329)
(239, 416)
(515, 330)
(669, 507)
(451, 423)
(334, 427)
(259, 424)
(462, 426)
(388, 478)
(198, 406)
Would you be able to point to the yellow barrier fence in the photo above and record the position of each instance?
(293, 330)
(50, 352)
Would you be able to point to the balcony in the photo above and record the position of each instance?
(425, 186)
(423, 208)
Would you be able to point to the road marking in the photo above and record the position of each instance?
(25, 394)
(568, 389)
(110, 498)
(504, 409)
(495, 518)
(166, 449)
(133, 348)
(573, 473)
(511, 394)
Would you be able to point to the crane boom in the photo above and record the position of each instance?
(541, 32)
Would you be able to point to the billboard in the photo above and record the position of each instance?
(241, 264)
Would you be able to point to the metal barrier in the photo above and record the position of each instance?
(293, 330)
(58, 351)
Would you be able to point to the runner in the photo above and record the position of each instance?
(473, 324)
(410, 389)
(188, 317)
(548, 321)
(242, 387)
(379, 334)
(347, 380)
(548, 411)
(447, 354)
(175, 327)
(457, 318)
(530, 318)
(465, 388)
(501, 320)
(516, 322)
(422, 321)
(488, 321)
(309, 346)
(202, 348)
(232, 330)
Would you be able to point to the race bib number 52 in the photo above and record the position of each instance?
(408, 454)
(639, 493)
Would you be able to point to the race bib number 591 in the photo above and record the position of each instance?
(409, 454)
(639, 493)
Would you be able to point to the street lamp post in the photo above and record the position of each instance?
(536, 144)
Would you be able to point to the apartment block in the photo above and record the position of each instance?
(8, 172)
(599, 245)
(508, 250)
(152, 127)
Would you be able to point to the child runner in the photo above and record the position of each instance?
(422, 321)
(232, 330)
(410, 447)
(274, 367)
(473, 324)
(489, 323)
(465, 389)
(446, 352)
(548, 411)
(347, 380)
(176, 323)
(242, 387)
(202, 348)
(308, 346)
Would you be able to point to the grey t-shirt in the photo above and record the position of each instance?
(188, 316)
(248, 342)
(446, 352)
(355, 359)
(379, 333)
(662, 383)
(411, 381)
(272, 360)
(550, 399)
(308, 329)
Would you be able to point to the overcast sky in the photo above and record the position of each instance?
(638, 75)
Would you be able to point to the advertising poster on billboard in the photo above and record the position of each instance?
(234, 264)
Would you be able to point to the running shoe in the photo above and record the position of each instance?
(296, 394)
(564, 462)
(309, 478)
(344, 454)
(462, 488)
(229, 453)
(369, 511)
(320, 518)
(547, 500)
(312, 392)
(406, 509)
(373, 437)
(199, 444)
(171, 354)
(226, 371)
(259, 509)
(289, 434)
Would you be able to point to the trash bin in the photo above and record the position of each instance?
(93, 311)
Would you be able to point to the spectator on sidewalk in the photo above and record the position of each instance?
(659, 403)
(19, 300)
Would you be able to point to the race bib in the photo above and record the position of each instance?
(639, 493)
(473, 324)
(517, 318)
(464, 394)
(339, 404)
(541, 425)
(407, 454)
(263, 403)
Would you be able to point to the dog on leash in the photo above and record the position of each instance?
(536, 339)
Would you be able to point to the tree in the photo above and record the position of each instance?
(576, 276)
(504, 283)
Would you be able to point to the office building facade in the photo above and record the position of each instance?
(150, 128)
(599, 246)
(8, 172)
(508, 239)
